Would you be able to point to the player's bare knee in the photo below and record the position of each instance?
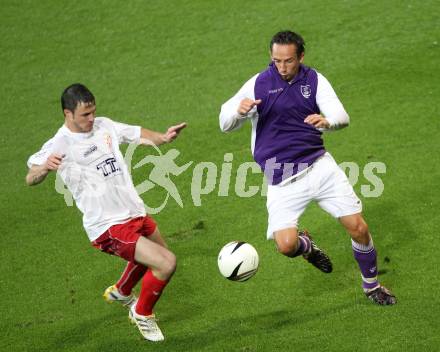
(172, 261)
(287, 243)
(168, 266)
(287, 250)
(361, 228)
(360, 232)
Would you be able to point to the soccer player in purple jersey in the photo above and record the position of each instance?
(289, 106)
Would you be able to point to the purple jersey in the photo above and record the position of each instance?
(284, 144)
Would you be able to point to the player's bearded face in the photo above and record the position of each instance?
(82, 119)
(286, 60)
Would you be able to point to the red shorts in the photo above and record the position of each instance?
(121, 239)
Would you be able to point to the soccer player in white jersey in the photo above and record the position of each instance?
(289, 106)
(85, 153)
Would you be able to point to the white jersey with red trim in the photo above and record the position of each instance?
(96, 174)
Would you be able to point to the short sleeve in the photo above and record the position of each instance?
(126, 133)
(55, 145)
(40, 157)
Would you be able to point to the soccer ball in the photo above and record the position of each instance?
(238, 261)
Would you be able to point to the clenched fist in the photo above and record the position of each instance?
(53, 162)
(246, 105)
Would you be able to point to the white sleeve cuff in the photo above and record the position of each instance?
(229, 117)
(330, 105)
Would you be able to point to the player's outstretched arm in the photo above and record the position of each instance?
(37, 173)
(151, 137)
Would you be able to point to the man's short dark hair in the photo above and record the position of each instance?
(289, 37)
(75, 94)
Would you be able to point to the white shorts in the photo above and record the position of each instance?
(323, 182)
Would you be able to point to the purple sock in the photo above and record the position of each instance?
(303, 246)
(366, 257)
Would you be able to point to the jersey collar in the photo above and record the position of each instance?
(76, 135)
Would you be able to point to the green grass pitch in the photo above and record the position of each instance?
(157, 63)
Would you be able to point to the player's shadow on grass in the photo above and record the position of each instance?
(273, 322)
(393, 233)
(89, 331)
(389, 229)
